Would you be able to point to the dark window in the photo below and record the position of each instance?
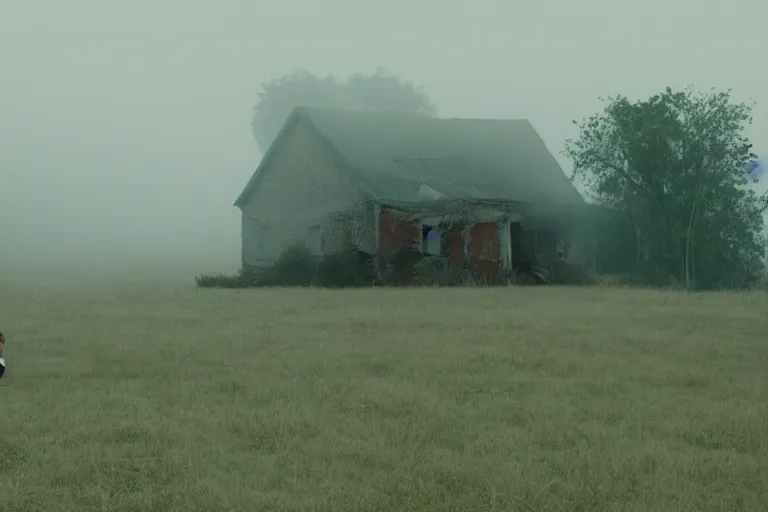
(431, 243)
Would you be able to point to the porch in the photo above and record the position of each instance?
(490, 244)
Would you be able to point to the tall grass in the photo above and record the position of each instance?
(163, 398)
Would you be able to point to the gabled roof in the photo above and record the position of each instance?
(397, 157)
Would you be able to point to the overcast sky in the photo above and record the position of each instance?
(126, 124)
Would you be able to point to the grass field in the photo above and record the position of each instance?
(161, 397)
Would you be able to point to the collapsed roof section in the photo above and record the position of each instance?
(400, 155)
(490, 210)
(409, 158)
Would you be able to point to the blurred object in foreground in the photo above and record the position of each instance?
(756, 170)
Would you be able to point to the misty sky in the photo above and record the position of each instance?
(125, 126)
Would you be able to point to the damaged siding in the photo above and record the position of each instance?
(397, 232)
(478, 243)
(351, 228)
(456, 247)
(490, 248)
(485, 250)
(304, 189)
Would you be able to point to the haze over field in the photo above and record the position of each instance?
(125, 126)
(126, 135)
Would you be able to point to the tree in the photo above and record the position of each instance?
(674, 164)
(379, 91)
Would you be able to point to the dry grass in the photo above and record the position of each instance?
(171, 398)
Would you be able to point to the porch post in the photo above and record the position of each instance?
(505, 242)
(377, 242)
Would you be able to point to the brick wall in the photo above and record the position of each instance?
(396, 232)
(485, 250)
(456, 247)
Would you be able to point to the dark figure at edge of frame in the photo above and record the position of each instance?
(2, 361)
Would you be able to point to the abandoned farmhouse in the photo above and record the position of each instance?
(486, 194)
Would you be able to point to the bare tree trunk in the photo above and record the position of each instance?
(693, 263)
(689, 256)
(682, 255)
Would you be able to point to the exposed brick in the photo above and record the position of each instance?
(485, 250)
(396, 232)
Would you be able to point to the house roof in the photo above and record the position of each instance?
(411, 158)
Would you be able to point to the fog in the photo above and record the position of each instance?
(125, 126)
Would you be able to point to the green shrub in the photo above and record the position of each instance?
(352, 268)
(565, 273)
(250, 277)
(295, 267)
(219, 280)
(619, 281)
(398, 267)
(245, 278)
(346, 269)
(438, 271)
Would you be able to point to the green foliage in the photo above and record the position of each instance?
(379, 91)
(346, 269)
(436, 271)
(570, 274)
(244, 278)
(294, 267)
(615, 242)
(297, 267)
(354, 269)
(218, 280)
(249, 277)
(672, 166)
